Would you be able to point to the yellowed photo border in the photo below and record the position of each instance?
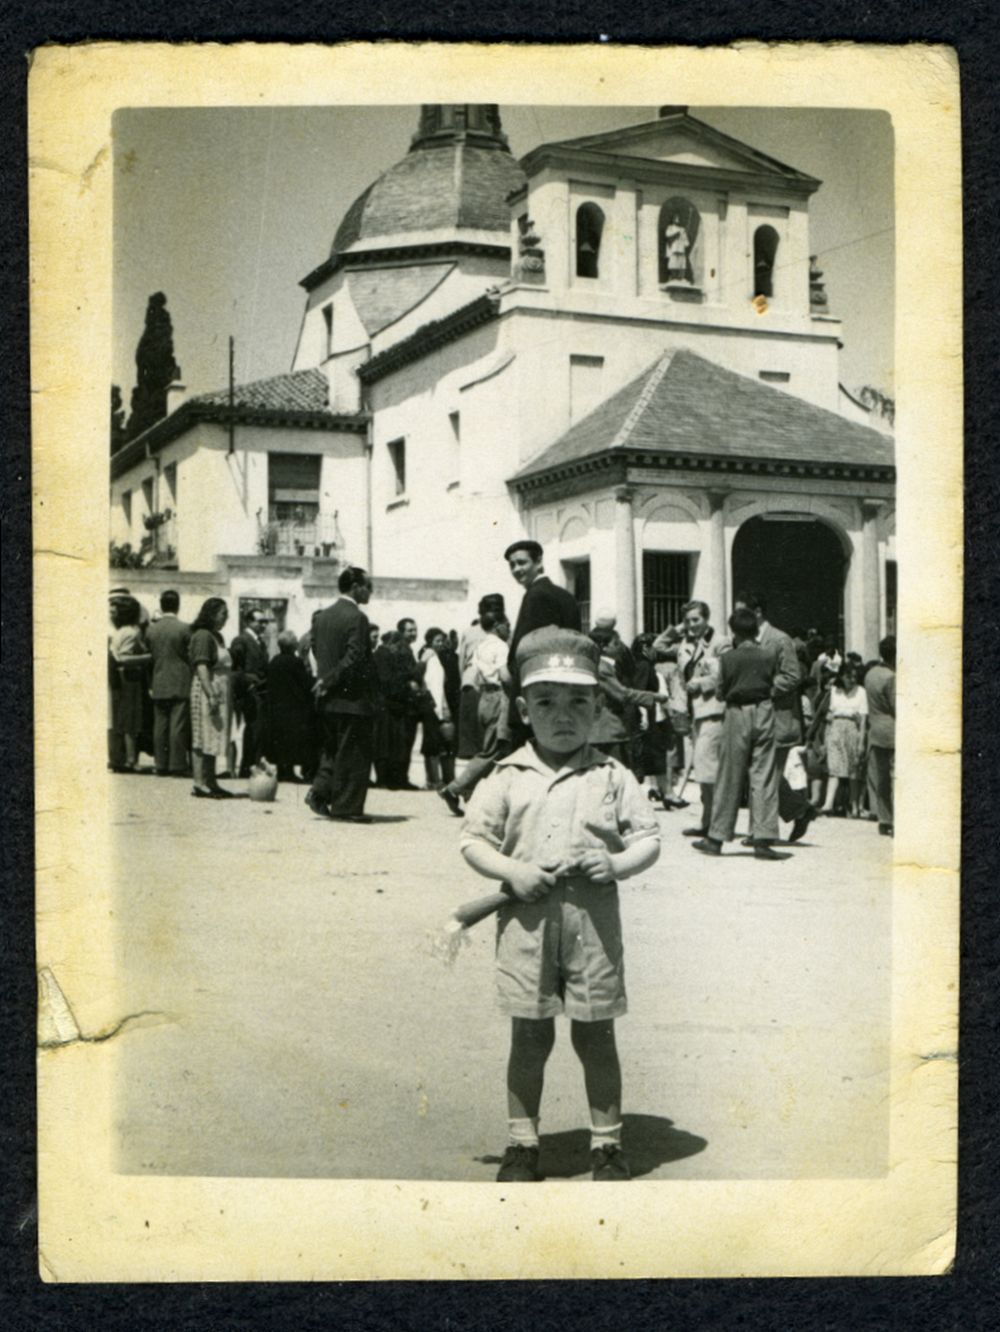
(96, 1225)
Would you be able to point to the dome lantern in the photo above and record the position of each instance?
(472, 122)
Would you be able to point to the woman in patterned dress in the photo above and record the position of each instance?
(211, 698)
(845, 737)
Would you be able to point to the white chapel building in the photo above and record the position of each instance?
(617, 345)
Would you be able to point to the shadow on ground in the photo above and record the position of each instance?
(649, 1141)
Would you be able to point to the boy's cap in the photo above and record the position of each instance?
(557, 656)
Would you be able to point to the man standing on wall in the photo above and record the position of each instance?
(544, 604)
(345, 691)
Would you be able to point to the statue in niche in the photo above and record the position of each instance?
(817, 291)
(530, 265)
(677, 246)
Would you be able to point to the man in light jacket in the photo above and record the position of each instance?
(793, 806)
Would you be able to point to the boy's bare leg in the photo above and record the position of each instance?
(594, 1043)
(531, 1042)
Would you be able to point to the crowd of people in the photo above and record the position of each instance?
(573, 744)
(786, 724)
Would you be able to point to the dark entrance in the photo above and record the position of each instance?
(798, 566)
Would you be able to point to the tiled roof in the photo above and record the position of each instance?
(299, 399)
(449, 187)
(683, 404)
(301, 391)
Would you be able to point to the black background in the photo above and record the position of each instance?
(968, 1297)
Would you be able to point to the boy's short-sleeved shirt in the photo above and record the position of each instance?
(563, 953)
(530, 813)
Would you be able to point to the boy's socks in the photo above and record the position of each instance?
(605, 1135)
(522, 1132)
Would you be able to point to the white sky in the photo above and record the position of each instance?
(225, 209)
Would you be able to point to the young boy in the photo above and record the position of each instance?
(559, 822)
(747, 745)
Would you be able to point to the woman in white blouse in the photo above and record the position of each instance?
(438, 734)
(845, 738)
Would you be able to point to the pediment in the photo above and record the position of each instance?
(686, 141)
(681, 145)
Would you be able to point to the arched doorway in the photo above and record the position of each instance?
(798, 565)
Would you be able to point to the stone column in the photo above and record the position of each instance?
(871, 576)
(625, 580)
(717, 582)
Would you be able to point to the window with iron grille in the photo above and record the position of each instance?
(578, 582)
(666, 588)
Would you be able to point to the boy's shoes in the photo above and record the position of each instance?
(694, 832)
(707, 847)
(609, 1163)
(519, 1165)
(451, 800)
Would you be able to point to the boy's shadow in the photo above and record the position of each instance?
(649, 1141)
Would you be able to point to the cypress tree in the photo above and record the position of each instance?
(155, 367)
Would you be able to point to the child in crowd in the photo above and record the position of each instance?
(559, 822)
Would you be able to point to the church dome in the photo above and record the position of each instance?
(455, 178)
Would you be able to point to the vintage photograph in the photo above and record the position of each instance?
(499, 527)
(421, 410)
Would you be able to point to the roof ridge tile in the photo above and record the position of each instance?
(642, 402)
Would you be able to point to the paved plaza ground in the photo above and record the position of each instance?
(310, 1030)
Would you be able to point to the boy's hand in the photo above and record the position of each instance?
(596, 865)
(530, 882)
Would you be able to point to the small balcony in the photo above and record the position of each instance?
(316, 536)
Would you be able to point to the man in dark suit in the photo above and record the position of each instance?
(346, 692)
(170, 689)
(407, 630)
(256, 657)
(544, 604)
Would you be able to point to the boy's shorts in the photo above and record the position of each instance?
(563, 954)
